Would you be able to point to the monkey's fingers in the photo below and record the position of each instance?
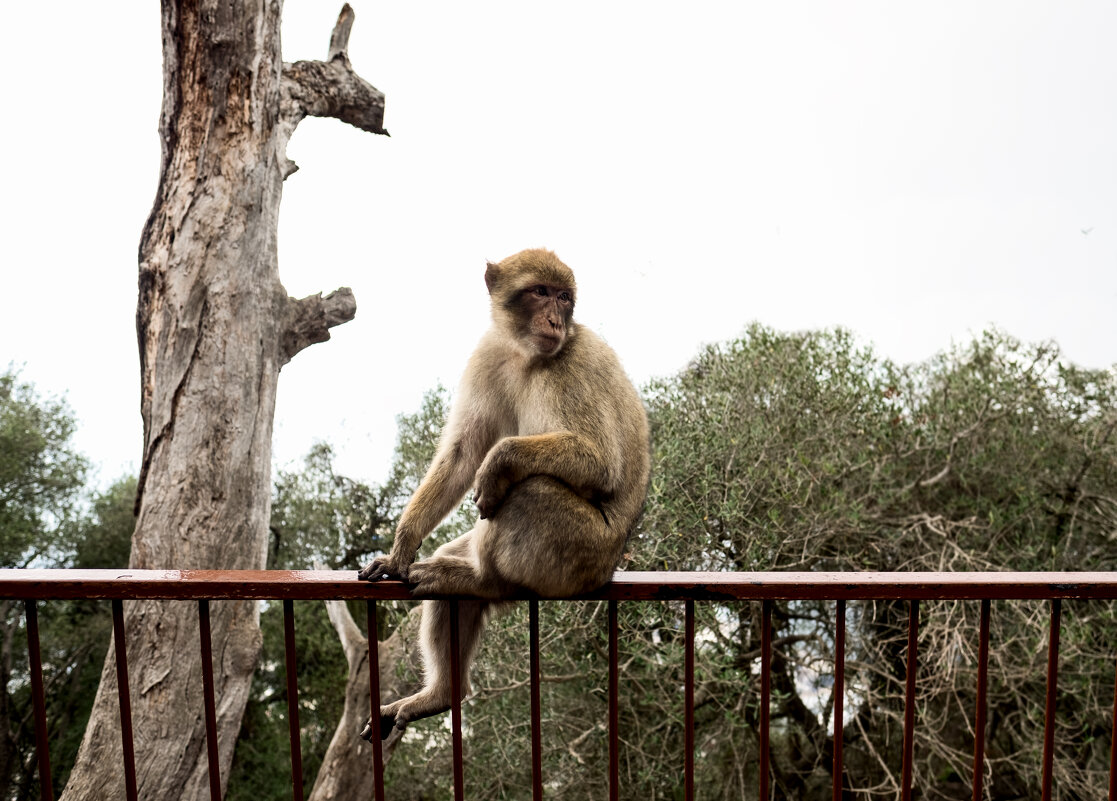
(376, 570)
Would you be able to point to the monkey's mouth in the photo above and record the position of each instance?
(547, 343)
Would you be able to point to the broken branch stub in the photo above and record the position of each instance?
(310, 319)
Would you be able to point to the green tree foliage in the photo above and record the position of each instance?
(40, 473)
(807, 452)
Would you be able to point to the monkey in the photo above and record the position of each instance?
(553, 438)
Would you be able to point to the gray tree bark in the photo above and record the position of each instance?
(215, 326)
(346, 771)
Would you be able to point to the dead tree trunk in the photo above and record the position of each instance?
(215, 326)
(346, 771)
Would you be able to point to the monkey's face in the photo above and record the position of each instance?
(544, 311)
(533, 300)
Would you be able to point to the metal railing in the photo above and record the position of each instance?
(203, 586)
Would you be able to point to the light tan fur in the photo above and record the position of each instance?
(554, 438)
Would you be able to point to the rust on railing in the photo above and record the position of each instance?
(125, 699)
(909, 700)
(38, 700)
(688, 703)
(288, 586)
(374, 702)
(1052, 684)
(210, 701)
(839, 694)
(536, 709)
(456, 703)
(614, 706)
(1113, 748)
(765, 692)
(979, 714)
(290, 662)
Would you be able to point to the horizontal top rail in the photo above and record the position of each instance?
(625, 586)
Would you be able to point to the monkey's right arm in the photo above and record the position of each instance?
(451, 474)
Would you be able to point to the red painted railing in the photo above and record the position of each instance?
(202, 586)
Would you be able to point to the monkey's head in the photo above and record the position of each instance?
(532, 297)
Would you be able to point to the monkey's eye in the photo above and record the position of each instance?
(541, 291)
(565, 297)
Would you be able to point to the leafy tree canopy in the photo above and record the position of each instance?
(41, 474)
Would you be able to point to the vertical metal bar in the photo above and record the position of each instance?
(979, 716)
(123, 694)
(38, 702)
(909, 701)
(765, 693)
(614, 707)
(374, 700)
(1052, 684)
(536, 714)
(839, 694)
(1113, 748)
(293, 700)
(210, 703)
(456, 702)
(688, 780)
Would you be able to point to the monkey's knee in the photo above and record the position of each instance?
(551, 541)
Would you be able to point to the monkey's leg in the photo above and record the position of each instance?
(550, 540)
(454, 569)
(435, 696)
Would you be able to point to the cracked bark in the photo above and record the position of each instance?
(214, 325)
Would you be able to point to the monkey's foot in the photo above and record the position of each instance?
(391, 726)
(447, 575)
(492, 489)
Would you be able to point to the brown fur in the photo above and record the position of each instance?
(554, 438)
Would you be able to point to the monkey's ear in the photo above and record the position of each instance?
(491, 275)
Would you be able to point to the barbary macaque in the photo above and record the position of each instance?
(553, 438)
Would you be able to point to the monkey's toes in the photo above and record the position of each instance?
(388, 722)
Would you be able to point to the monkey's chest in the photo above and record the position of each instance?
(535, 411)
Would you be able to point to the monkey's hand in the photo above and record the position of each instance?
(492, 487)
(385, 567)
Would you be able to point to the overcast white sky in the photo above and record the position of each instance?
(914, 172)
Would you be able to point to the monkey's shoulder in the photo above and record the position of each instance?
(591, 360)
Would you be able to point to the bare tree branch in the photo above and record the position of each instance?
(310, 319)
(352, 641)
(331, 88)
